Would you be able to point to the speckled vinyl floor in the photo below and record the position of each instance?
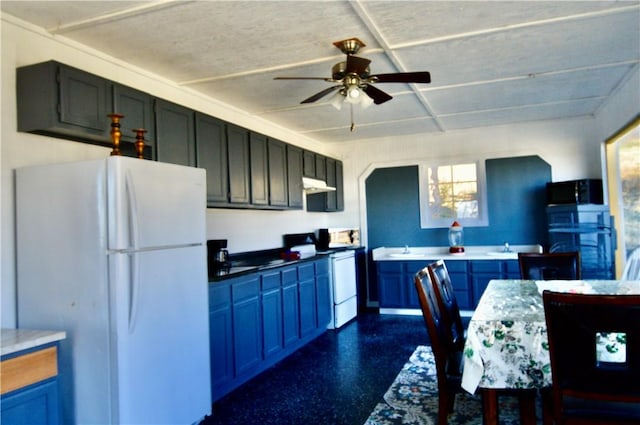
(336, 380)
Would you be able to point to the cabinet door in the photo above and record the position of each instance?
(391, 290)
(175, 135)
(220, 338)
(290, 309)
(211, 143)
(259, 169)
(247, 325)
(307, 293)
(323, 298)
(36, 404)
(137, 108)
(309, 164)
(339, 186)
(239, 175)
(277, 173)
(482, 272)
(84, 100)
(272, 322)
(294, 176)
(332, 199)
(321, 167)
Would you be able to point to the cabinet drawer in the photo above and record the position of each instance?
(245, 289)
(306, 271)
(27, 369)
(271, 281)
(486, 266)
(390, 266)
(219, 295)
(413, 267)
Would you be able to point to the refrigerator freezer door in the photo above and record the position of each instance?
(163, 336)
(153, 204)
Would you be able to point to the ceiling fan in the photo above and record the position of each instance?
(355, 81)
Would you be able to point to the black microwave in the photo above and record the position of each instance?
(585, 191)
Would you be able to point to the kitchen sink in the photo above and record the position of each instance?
(501, 254)
(408, 256)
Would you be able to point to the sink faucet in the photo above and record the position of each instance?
(406, 249)
(506, 247)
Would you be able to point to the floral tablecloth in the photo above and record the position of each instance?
(507, 343)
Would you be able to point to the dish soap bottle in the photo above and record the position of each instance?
(456, 238)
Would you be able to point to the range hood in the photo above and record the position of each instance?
(315, 186)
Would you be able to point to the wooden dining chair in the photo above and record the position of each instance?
(587, 386)
(447, 359)
(549, 266)
(447, 301)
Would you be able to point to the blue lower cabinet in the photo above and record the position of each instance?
(469, 279)
(247, 329)
(33, 396)
(258, 319)
(220, 337)
(323, 296)
(35, 404)
(272, 320)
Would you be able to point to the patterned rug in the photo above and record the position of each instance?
(413, 398)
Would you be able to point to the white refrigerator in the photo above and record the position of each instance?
(113, 252)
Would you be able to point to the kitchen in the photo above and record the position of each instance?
(572, 146)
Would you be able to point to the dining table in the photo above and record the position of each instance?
(506, 346)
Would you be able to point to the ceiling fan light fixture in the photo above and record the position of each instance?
(337, 100)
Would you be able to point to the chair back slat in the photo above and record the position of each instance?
(447, 302)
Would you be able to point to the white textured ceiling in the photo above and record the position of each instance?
(491, 62)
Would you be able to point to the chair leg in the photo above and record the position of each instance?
(527, 402)
(547, 406)
(443, 409)
(490, 406)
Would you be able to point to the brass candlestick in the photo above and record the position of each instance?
(140, 141)
(115, 133)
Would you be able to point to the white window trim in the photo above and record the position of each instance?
(428, 223)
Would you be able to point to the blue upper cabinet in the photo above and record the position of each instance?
(175, 135)
(239, 174)
(211, 148)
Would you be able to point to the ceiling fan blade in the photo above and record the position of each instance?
(376, 94)
(356, 65)
(402, 77)
(303, 78)
(321, 94)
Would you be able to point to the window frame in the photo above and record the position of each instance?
(426, 222)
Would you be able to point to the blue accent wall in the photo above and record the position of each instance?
(516, 202)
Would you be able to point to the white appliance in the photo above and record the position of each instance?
(344, 291)
(113, 252)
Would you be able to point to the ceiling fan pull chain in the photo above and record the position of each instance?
(351, 110)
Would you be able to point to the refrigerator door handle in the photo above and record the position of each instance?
(132, 217)
(132, 210)
(134, 289)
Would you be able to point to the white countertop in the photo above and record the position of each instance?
(14, 340)
(487, 252)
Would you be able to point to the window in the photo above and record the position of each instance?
(623, 173)
(451, 192)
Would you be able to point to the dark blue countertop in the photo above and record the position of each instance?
(244, 266)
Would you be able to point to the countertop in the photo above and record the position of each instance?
(14, 340)
(242, 267)
(487, 252)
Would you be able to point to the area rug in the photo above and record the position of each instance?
(413, 398)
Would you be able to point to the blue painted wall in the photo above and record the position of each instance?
(516, 202)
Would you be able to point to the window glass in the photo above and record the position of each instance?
(451, 192)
